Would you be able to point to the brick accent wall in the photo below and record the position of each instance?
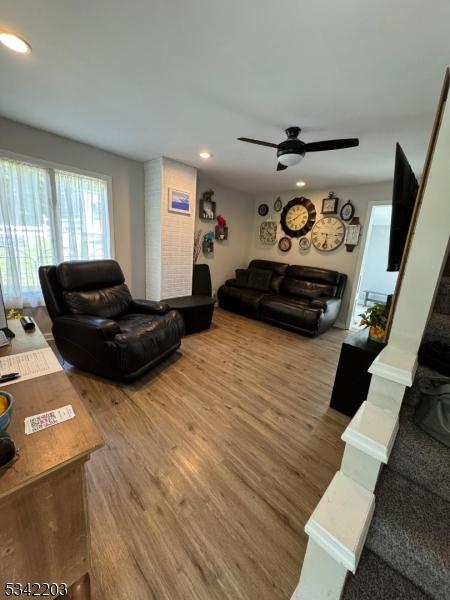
(169, 237)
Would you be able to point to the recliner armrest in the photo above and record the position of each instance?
(148, 307)
(325, 303)
(105, 328)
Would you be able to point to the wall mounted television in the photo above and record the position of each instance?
(403, 201)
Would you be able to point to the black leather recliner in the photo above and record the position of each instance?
(303, 299)
(98, 327)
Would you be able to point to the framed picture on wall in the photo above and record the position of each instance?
(179, 202)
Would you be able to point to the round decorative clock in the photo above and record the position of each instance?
(263, 209)
(347, 211)
(328, 234)
(304, 243)
(277, 205)
(298, 217)
(285, 244)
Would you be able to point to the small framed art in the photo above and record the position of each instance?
(179, 202)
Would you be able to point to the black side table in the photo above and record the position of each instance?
(352, 380)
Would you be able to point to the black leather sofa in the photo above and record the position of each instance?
(98, 327)
(303, 299)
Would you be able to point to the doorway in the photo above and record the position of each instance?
(374, 283)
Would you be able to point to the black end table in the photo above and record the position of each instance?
(352, 380)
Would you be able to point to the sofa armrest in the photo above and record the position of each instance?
(88, 325)
(231, 282)
(326, 303)
(148, 307)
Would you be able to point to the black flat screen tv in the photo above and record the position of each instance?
(403, 202)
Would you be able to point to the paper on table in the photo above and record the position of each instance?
(47, 419)
(29, 364)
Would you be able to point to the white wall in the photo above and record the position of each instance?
(237, 208)
(127, 187)
(339, 259)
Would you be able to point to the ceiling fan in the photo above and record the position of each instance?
(291, 151)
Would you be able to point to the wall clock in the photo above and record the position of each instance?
(347, 211)
(352, 234)
(277, 205)
(285, 244)
(304, 243)
(328, 234)
(330, 204)
(298, 217)
(263, 209)
(268, 232)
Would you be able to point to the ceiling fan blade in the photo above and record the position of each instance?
(330, 145)
(281, 167)
(250, 141)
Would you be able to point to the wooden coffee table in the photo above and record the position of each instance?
(44, 525)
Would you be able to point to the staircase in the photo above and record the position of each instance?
(382, 528)
(407, 551)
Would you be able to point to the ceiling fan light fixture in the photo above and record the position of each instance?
(290, 159)
(15, 43)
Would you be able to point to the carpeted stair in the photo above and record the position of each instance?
(411, 532)
(420, 458)
(376, 580)
(407, 552)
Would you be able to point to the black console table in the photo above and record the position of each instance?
(352, 380)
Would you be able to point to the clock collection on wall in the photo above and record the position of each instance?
(298, 218)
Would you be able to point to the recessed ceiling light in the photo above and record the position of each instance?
(300, 183)
(205, 154)
(15, 43)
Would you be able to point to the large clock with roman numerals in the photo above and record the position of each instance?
(298, 217)
(328, 234)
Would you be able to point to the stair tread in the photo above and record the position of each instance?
(438, 328)
(410, 530)
(419, 457)
(442, 303)
(376, 580)
(413, 394)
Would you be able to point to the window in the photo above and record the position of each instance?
(47, 216)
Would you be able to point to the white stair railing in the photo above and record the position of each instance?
(338, 527)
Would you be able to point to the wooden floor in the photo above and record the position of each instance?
(212, 465)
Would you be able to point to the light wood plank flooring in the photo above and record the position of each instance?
(212, 465)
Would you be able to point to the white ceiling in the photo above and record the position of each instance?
(145, 78)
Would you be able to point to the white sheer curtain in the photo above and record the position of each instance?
(82, 206)
(26, 231)
(47, 216)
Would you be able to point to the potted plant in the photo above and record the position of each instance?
(375, 317)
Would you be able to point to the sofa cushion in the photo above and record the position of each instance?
(144, 338)
(259, 279)
(275, 284)
(278, 270)
(292, 311)
(303, 289)
(241, 278)
(328, 282)
(240, 300)
(107, 302)
(269, 265)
